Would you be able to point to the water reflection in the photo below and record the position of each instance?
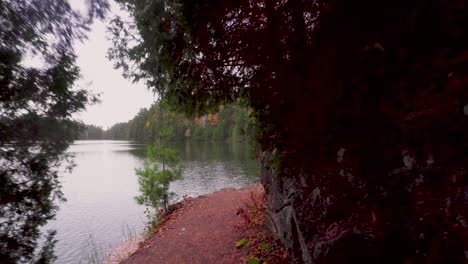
(101, 188)
(212, 166)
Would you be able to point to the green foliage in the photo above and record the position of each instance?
(46, 255)
(232, 123)
(241, 243)
(151, 29)
(92, 132)
(265, 246)
(37, 105)
(253, 261)
(362, 100)
(160, 169)
(119, 131)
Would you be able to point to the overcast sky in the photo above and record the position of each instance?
(121, 100)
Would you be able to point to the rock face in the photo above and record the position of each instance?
(320, 226)
(286, 204)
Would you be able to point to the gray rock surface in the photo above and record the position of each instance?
(284, 196)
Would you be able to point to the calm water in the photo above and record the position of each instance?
(100, 210)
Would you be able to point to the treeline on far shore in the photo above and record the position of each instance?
(229, 123)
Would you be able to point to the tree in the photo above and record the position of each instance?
(36, 123)
(92, 132)
(119, 131)
(160, 169)
(360, 103)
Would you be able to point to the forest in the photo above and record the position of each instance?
(360, 110)
(231, 123)
(361, 107)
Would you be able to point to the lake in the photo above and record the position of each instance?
(100, 211)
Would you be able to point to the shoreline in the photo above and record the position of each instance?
(126, 251)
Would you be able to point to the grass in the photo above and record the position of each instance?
(126, 248)
(96, 254)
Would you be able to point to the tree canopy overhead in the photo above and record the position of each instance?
(205, 53)
(36, 123)
(362, 102)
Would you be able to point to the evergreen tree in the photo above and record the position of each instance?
(361, 102)
(36, 123)
(160, 169)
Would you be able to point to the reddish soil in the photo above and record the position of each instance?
(203, 230)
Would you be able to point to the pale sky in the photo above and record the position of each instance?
(120, 99)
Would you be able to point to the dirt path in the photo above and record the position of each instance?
(202, 231)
